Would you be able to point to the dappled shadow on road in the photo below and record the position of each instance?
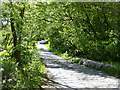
(71, 74)
(60, 88)
(74, 67)
(54, 61)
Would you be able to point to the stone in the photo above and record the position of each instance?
(76, 60)
(44, 42)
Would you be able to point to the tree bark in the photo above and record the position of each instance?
(16, 40)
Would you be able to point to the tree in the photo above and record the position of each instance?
(19, 14)
(84, 29)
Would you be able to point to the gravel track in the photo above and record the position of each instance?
(71, 75)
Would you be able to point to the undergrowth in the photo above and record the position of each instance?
(30, 74)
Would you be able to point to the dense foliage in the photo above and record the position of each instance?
(89, 30)
(21, 64)
(30, 75)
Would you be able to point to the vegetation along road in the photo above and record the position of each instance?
(80, 30)
(70, 75)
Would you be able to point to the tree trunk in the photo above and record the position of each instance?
(16, 40)
(15, 52)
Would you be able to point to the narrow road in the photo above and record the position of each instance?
(71, 75)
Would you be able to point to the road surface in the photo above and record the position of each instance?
(72, 75)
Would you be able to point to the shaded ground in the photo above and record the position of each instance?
(66, 74)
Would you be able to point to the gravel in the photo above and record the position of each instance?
(71, 75)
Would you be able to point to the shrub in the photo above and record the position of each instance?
(30, 75)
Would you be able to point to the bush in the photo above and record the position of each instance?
(8, 68)
(32, 74)
(29, 75)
